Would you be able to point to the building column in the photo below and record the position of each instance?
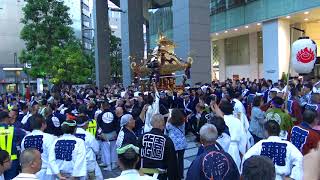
(191, 33)
(276, 48)
(101, 39)
(222, 64)
(132, 43)
(147, 35)
(253, 55)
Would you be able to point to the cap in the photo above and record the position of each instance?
(124, 149)
(70, 123)
(125, 119)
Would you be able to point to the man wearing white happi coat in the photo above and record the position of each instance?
(239, 112)
(67, 155)
(39, 140)
(238, 135)
(92, 148)
(153, 108)
(285, 156)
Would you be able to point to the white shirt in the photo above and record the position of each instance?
(26, 117)
(240, 112)
(92, 148)
(68, 155)
(131, 174)
(120, 139)
(224, 141)
(2, 177)
(288, 160)
(25, 176)
(238, 107)
(152, 109)
(41, 141)
(96, 114)
(238, 138)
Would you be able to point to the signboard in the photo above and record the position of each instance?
(39, 85)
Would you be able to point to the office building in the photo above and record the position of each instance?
(10, 44)
(252, 38)
(226, 38)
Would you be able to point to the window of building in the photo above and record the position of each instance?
(87, 45)
(218, 6)
(237, 50)
(86, 12)
(215, 54)
(160, 20)
(86, 24)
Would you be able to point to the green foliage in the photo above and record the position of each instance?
(115, 55)
(284, 77)
(72, 64)
(51, 47)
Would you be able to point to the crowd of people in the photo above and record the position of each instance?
(244, 129)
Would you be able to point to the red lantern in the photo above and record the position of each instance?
(304, 55)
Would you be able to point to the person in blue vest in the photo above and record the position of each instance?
(24, 110)
(26, 120)
(126, 134)
(10, 140)
(54, 120)
(212, 163)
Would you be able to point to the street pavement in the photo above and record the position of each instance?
(189, 156)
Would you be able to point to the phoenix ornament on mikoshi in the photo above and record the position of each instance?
(162, 61)
(304, 55)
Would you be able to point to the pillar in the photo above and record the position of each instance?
(101, 40)
(276, 48)
(222, 60)
(191, 33)
(132, 42)
(253, 56)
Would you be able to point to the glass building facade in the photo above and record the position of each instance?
(226, 14)
(160, 20)
(257, 34)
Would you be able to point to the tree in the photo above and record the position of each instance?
(51, 47)
(46, 25)
(72, 64)
(115, 55)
